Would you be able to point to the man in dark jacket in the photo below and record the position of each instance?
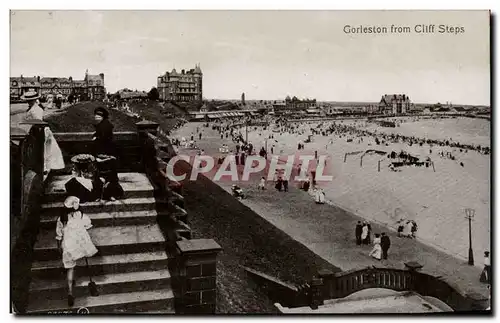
(385, 243)
(359, 230)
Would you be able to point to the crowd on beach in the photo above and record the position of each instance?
(273, 131)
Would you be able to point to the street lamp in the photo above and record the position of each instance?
(469, 214)
(246, 129)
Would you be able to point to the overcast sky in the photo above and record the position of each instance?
(266, 54)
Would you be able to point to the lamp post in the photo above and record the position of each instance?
(469, 214)
(246, 130)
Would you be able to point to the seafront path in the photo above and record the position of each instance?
(328, 230)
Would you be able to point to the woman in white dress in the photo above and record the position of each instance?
(53, 158)
(407, 231)
(73, 239)
(377, 248)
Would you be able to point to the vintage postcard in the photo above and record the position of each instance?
(250, 162)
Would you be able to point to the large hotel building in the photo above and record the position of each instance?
(186, 86)
(90, 88)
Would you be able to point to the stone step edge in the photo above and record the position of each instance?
(49, 218)
(89, 302)
(104, 260)
(40, 285)
(127, 201)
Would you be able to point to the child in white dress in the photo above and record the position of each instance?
(73, 239)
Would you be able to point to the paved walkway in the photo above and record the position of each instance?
(328, 230)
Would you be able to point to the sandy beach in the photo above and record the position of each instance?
(434, 199)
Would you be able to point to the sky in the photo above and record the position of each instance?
(265, 54)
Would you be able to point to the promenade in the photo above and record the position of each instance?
(328, 230)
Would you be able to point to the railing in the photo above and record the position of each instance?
(342, 284)
(193, 261)
(155, 155)
(127, 144)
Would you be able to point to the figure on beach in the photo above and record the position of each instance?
(376, 252)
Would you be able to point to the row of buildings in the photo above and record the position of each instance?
(390, 104)
(90, 88)
(187, 86)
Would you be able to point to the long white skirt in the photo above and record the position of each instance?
(376, 252)
(53, 158)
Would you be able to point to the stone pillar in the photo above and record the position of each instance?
(316, 293)
(478, 302)
(147, 126)
(197, 271)
(328, 278)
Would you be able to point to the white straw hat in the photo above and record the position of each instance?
(70, 200)
(30, 95)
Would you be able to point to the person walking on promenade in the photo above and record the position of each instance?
(262, 184)
(385, 243)
(285, 185)
(319, 196)
(364, 233)
(485, 275)
(377, 249)
(279, 184)
(414, 230)
(400, 229)
(357, 232)
(407, 229)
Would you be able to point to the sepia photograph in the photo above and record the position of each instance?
(214, 162)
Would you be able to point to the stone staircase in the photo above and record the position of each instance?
(131, 269)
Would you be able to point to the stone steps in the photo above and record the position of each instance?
(123, 205)
(131, 268)
(112, 283)
(122, 263)
(134, 185)
(109, 240)
(103, 219)
(135, 302)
